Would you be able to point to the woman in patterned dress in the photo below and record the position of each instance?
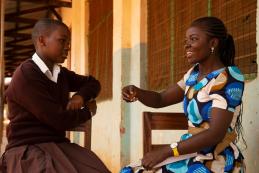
(211, 92)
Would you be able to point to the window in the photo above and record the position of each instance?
(168, 21)
(100, 44)
(185, 12)
(159, 44)
(239, 17)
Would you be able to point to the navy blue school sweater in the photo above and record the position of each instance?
(37, 105)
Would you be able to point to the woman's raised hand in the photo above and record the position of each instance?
(129, 93)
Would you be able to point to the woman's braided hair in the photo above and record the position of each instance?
(215, 28)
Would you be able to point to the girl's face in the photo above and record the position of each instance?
(58, 45)
(197, 45)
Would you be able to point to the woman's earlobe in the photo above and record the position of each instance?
(214, 42)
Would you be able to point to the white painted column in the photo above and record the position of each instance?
(136, 141)
(79, 36)
(250, 115)
(106, 123)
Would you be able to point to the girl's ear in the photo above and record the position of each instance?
(42, 41)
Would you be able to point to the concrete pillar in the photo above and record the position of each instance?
(79, 30)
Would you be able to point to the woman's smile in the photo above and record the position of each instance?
(189, 54)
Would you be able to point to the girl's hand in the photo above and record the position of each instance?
(92, 106)
(75, 103)
(129, 93)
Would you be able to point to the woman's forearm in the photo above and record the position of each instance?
(149, 98)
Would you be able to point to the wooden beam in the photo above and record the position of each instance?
(56, 14)
(27, 11)
(19, 55)
(15, 63)
(15, 51)
(17, 40)
(9, 31)
(17, 46)
(10, 70)
(61, 3)
(50, 2)
(15, 57)
(21, 20)
(12, 64)
(19, 35)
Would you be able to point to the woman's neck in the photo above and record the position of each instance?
(209, 66)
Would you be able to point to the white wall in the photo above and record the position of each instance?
(251, 124)
(250, 116)
(134, 110)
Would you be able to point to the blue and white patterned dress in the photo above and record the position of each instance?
(223, 89)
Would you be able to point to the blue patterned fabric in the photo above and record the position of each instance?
(198, 168)
(222, 88)
(126, 169)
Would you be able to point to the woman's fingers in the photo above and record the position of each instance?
(147, 164)
(125, 94)
(129, 93)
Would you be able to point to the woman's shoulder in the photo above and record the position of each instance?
(229, 78)
(235, 73)
(229, 74)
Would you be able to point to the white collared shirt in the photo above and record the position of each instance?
(43, 67)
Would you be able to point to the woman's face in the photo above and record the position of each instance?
(197, 46)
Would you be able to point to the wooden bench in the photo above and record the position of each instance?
(160, 121)
(87, 129)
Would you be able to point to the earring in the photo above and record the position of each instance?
(212, 50)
